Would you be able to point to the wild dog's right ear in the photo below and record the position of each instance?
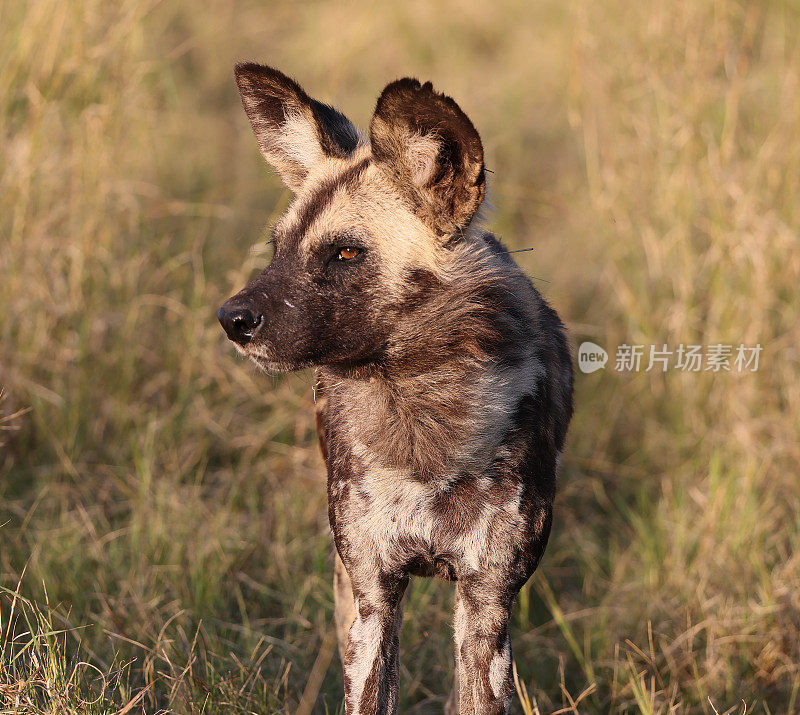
(294, 131)
(432, 151)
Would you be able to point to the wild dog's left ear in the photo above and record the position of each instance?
(432, 151)
(294, 131)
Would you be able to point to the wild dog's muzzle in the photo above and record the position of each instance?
(240, 323)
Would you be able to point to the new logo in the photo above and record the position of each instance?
(591, 357)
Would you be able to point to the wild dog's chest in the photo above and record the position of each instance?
(425, 527)
(417, 471)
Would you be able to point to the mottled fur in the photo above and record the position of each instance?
(445, 383)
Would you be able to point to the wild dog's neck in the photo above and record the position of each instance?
(426, 425)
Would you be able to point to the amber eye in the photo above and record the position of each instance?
(348, 253)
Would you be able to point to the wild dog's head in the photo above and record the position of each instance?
(370, 225)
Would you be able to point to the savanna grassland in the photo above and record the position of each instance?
(164, 544)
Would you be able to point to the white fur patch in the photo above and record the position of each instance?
(499, 669)
(397, 509)
(300, 142)
(421, 155)
(460, 626)
(365, 635)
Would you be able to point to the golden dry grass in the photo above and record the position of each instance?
(163, 533)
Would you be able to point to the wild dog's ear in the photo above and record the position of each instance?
(293, 130)
(432, 151)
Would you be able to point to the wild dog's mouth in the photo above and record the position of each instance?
(268, 365)
(267, 362)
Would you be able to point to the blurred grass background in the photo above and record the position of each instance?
(163, 534)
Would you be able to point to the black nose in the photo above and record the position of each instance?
(240, 323)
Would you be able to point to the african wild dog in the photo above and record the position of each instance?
(445, 381)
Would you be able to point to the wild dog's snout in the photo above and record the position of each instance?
(239, 322)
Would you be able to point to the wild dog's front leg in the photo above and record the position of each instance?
(483, 656)
(451, 705)
(371, 662)
(344, 604)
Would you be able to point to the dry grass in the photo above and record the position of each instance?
(165, 502)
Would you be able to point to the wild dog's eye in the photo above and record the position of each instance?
(348, 253)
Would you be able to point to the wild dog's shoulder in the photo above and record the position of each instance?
(534, 341)
(502, 298)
